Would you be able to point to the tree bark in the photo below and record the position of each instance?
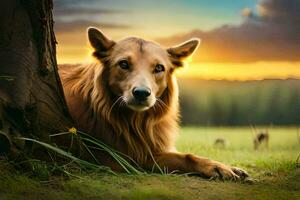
(32, 103)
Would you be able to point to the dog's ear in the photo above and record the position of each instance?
(101, 43)
(182, 51)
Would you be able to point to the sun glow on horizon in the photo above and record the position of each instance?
(241, 71)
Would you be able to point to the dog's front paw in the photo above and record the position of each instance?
(240, 172)
(215, 170)
(224, 172)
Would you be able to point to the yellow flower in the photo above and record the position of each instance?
(73, 130)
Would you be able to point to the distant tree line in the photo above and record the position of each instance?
(225, 103)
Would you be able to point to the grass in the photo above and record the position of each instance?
(275, 170)
(284, 147)
(90, 143)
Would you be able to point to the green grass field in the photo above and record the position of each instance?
(284, 147)
(275, 171)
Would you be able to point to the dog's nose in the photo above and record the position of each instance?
(141, 93)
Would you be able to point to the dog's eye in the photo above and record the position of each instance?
(159, 68)
(124, 64)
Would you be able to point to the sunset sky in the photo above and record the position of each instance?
(241, 39)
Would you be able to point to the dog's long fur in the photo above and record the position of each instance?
(144, 136)
(135, 133)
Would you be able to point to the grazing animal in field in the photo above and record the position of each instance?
(261, 138)
(129, 100)
(220, 142)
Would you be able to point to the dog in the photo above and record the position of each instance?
(128, 99)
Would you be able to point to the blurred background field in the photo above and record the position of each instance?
(232, 103)
(283, 151)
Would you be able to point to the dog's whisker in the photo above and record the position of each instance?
(122, 103)
(115, 103)
(161, 107)
(161, 104)
(161, 101)
(154, 107)
(158, 106)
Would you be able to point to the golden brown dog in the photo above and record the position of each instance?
(129, 100)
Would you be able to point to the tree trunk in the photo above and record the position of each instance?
(32, 103)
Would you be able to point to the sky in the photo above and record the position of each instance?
(240, 39)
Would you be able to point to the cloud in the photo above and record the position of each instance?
(68, 3)
(81, 25)
(246, 12)
(279, 11)
(77, 15)
(58, 12)
(271, 32)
